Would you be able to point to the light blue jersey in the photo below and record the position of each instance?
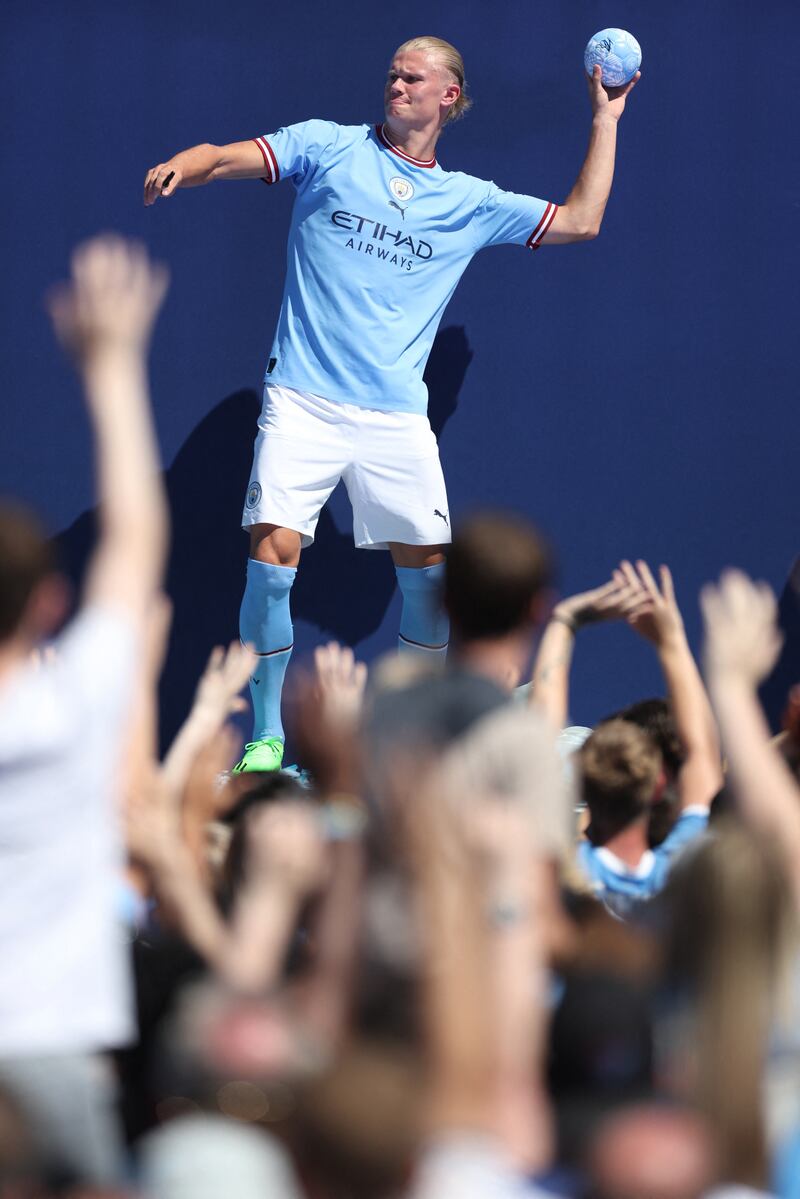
(378, 242)
(622, 888)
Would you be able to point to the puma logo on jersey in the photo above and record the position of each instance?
(402, 211)
(436, 512)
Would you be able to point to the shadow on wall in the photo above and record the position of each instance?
(205, 486)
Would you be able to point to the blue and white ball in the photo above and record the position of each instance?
(617, 52)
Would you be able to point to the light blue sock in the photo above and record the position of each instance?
(266, 622)
(424, 627)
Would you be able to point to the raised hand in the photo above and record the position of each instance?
(326, 712)
(608, 101)
(111, 301)
(341, 681)
(152, 822)
(655, 615)
(742, 635)
(615, 600)
(217, 695)
(216, 698)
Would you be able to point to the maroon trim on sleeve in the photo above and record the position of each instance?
(270, 161)
(535, 239)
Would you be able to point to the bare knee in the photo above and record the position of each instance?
(274, 545)
(416, 556)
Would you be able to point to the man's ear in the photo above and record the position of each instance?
(47, 607)
(451, 94)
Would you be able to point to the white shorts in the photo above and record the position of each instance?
(389, 462)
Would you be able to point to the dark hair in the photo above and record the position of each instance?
(619, 766)
(269, 787)
(655, 717)
(496, 567)
(26, 558)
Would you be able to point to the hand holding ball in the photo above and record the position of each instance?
(617, 52)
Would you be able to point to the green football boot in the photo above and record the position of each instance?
(266, 754)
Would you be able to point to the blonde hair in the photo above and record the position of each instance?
(450, 59)
(733, 938)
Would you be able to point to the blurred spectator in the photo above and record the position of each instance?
(65, 996)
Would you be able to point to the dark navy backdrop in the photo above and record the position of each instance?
(636, 395)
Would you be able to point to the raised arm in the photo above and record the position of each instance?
(104, 316)
(580, 216)
(203, 164)
(659, 621)
(477, 891)
(215, 700)
(550, 679)
(742, 645)
(286, 862)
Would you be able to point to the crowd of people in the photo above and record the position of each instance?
(469, 951)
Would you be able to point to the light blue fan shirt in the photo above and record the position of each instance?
(622, 888)
(378, 242)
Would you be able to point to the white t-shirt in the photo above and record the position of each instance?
(64, 973)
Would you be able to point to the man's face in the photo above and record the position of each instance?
(416, 88)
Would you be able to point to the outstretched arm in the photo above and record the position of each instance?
(659, 621)
(216, 698)
(550, 681)
(478, 886)
(580, 216)
(203, 164)
(742, 645)
(104, 316)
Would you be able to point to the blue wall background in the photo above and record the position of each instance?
(635, 396)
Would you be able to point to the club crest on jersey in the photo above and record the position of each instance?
(401, 189)
(253, 495)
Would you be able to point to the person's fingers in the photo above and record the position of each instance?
(636, 604)
(709, 604)
(239, 664)
(646, 575)
(322, 656)
(606, 589)
(631, 84)
(638, 609)
(160, 181)
(625, 89)
(629, 574)
(346, 662)
(667, 584)
(623, 587)
(738, 596)
(150, 181)
(360, 675)
(214, 660)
